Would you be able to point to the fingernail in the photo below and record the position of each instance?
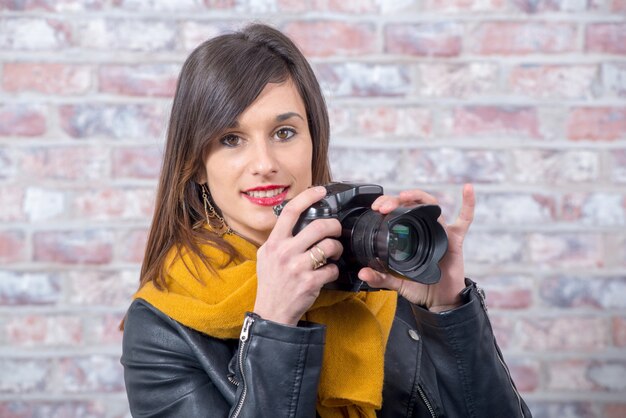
(320, 189)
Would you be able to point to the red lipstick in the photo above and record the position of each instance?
(267, 198)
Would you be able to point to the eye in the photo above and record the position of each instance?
(231, 140)
(284, 134)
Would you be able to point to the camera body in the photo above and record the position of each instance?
(408, 242)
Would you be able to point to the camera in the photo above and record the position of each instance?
(408, 242)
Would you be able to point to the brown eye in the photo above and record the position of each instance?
(284, 134)
(231, 140)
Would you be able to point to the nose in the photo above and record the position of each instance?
(264, 160)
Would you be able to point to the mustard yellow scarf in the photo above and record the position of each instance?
(357, 324)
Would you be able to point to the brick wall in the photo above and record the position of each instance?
(524, 98)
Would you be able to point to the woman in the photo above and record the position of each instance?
(231, 318)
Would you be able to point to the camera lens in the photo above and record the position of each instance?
(402, 242)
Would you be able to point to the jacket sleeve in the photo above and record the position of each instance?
(277, 369)
(461, 355)
(173, 371)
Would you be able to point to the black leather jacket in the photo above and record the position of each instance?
(436, 365)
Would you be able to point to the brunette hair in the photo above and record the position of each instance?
(218, 81)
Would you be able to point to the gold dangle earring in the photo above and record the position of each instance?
(215, 221)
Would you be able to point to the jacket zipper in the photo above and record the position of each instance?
(426, 401)
(247, 323)
(481, 294)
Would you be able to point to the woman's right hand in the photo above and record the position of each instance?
(288, 284)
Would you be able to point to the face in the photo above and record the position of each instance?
(261, 161)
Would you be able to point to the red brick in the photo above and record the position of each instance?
(139, 80)
(350, 6)
(490, 120)
(570, 409)
(619, 6)
(614, 79)
(46, 78)
(219, 4)
(106, 330)
(12, 207)
(137, 162)
(327, 38)
(33, 34)
(24, 375)
(618, 170)
(607, 38)
(594, 208)
(619, 331)
(355, 164)
(566, 250)
(8, 164)
(364, 80)
(540, 6)
(597, 123)
(553, 81)
(141, 35)
(493, 248)
(194, 33)
(615, 410)
(586, 375)
(512, 38)
(464, 5)
(12, 246)
(73, 247)
(22, 120)
(84, 374)
(438, 40)
(555, 166)
(176, 6)
(29, 288)
(133, 245)
(508, 292)
(454, 166)
(390, 123)
(102, 288)
(544, 334)
(112, 121)
(583, 292)
(44, 331)
(52, 6)
(458, 80)
(114, 204)
(53, 409)
(65, 163)
(515, 209)
(525, 375)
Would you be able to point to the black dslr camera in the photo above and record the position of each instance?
(408, 242)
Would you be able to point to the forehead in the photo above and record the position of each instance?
(276, 99)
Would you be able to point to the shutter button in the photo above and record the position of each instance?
(414, 335)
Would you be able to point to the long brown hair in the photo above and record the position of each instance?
(218, 81)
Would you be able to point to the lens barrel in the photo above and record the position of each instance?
(408, 241)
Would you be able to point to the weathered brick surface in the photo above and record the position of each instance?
(523, 98)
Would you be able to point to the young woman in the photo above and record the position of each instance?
(231, 319)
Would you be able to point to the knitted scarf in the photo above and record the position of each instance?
(357, 324)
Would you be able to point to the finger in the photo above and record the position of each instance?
(315, 232)
(328, 248)
(379, 280)
(292, 210)
(466, 214)
(385, 201)
(417, 196)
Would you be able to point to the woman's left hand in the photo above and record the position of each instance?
(445, 294)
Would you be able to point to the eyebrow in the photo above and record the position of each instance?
(284, 116)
